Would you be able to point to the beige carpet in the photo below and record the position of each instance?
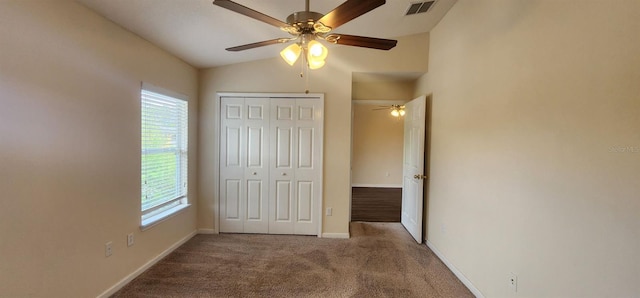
(380, 260)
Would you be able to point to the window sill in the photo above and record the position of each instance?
(160, 217)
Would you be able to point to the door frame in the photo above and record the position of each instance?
(427, 165)
(373, 103)
(217, 141)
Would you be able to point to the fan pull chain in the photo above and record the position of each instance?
(307, 82)
(302, 63)
(304, 71)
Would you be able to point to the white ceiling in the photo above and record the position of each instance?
(198, 32)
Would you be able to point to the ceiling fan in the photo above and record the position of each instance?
(306, 27)
(396, 110)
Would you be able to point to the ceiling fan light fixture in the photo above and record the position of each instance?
(317, 51)
(316, 54)
(291, 53)
(397, 111)
(316, 64)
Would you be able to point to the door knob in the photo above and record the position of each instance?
(284, 174)
(255, 173)
(419, 176)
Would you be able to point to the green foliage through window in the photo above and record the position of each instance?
(164, 149)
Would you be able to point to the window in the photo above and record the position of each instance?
(164, 154)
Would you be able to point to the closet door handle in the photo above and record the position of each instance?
(284, 174)
(255, 173)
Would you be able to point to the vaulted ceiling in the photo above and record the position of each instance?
(198, 32)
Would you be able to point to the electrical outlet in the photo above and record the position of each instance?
(108, 251)
(513, 282)
(130, 239)
(329, 211)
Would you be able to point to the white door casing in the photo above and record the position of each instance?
(413, 167)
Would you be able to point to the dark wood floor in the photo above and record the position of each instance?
(376, 204)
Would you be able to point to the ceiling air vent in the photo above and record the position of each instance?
(419, 7)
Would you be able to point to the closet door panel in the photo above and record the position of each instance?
(282, 203)
(232, 157)
(305, 147)
(256, 172)
(305, 201)
(284, 109)
(233, 193)
(270, 165)
(231, 165)
(308, 173)
(284, 146)
(255, 146)
(255, 200)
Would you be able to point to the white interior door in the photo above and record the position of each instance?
(296, 165)
(282, 204)
(270, 164)
(413, 167)
(244, 169)
(256, 173)
(308, 165)
(232, 157)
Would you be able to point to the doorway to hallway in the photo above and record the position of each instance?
(375, 204)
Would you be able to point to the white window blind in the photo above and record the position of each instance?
(164, 154)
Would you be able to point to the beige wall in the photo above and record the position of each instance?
(70, 149)
(377, 147)
(334, 80)
(535, 152)
(384, 89)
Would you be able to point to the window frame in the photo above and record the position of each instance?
(156, 214)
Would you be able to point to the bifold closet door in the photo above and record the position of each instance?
(244, 165)
(295, 146)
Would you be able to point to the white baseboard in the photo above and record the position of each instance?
(455, 271)
(144, 267)
(377, 185)
(336, 235)
(207, 231)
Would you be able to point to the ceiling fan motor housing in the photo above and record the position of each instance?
(304, 21)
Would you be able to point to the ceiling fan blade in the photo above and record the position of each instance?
(258, 44)
(348, 11)
(362, 41)
(380, 109)
(235, 7)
